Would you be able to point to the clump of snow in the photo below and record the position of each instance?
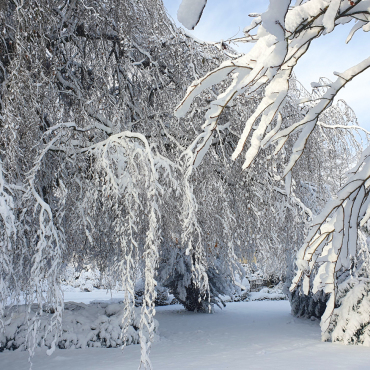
(92, 325)
(190, 12)
(242, 288)
(113, 309)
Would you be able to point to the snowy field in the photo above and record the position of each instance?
(245, 335)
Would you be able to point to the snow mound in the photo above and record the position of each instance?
(266, 294)
(270, 294)
(92, 325)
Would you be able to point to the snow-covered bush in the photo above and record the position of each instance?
(163, 296)
(92, 325)
(307, 305)
(336, 251)
(350, 321)
(86, 278)
(190, 295)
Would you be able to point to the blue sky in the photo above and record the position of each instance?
(224, 19)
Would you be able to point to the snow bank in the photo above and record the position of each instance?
(92, 325)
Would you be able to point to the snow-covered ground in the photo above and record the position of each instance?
(244, 335)
(72, 294)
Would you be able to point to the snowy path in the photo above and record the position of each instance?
(250, 335)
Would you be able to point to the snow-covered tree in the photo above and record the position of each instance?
(95, 167)
(91, 158)
(284, 34)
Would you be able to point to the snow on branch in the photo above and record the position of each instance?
(308, 123)
(332, 240)
(283, 36)
(7, 241)
(127, 172)
(47, 257)
(190, 12)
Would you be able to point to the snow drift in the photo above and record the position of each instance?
(92, 325)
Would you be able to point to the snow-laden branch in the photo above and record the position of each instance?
(332, 239)
(129, 173)
(283, 36)
(308, 123)
(47, 259)
(7, 241)
(190, 12)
